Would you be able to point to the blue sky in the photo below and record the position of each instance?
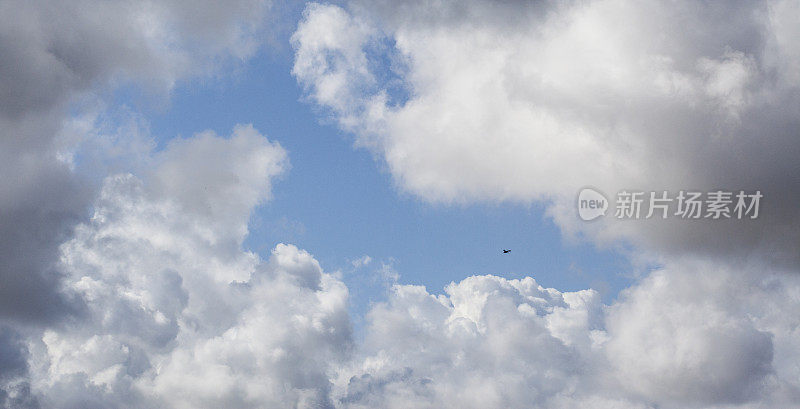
(339, 202)
(127, 268)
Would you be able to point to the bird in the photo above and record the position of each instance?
(506, 251)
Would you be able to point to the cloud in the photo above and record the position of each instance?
(692, 335)
(181, 316)
(530, 102)
(14, 387)
(56, 57)
(681, 336)
(473, 101)
(488, 342)
(178, 314)
(362, 261)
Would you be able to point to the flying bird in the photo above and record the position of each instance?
(506, 251)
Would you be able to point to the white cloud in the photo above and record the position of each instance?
(506, 101)
(362, 261)
(530, 102)
(691, 335)
(178, 314)
(510, 101)
(687, 335)
(58, 56)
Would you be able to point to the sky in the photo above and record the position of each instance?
(364, 214)
(259, 204)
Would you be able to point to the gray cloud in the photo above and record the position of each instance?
(41, 202)
(611, 95)
(178, 314)
(53, 54)
(14, 384)
(692, 335)
(531, 102)
(544, 97)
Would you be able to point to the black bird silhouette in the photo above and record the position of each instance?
(506, 251)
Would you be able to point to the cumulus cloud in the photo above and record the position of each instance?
(689, 336)
(488, 342)
(690, 341)
(509, 101)
(465, 101)
(54, 54)
(529, 102)
(178, 314)
(177, 320)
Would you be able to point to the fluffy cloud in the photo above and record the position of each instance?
(178, 320)
(465, 101)
(55, 54)
(688, 336)
(508, 101)
(496, 101)
(178, 314)
(488, 342)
